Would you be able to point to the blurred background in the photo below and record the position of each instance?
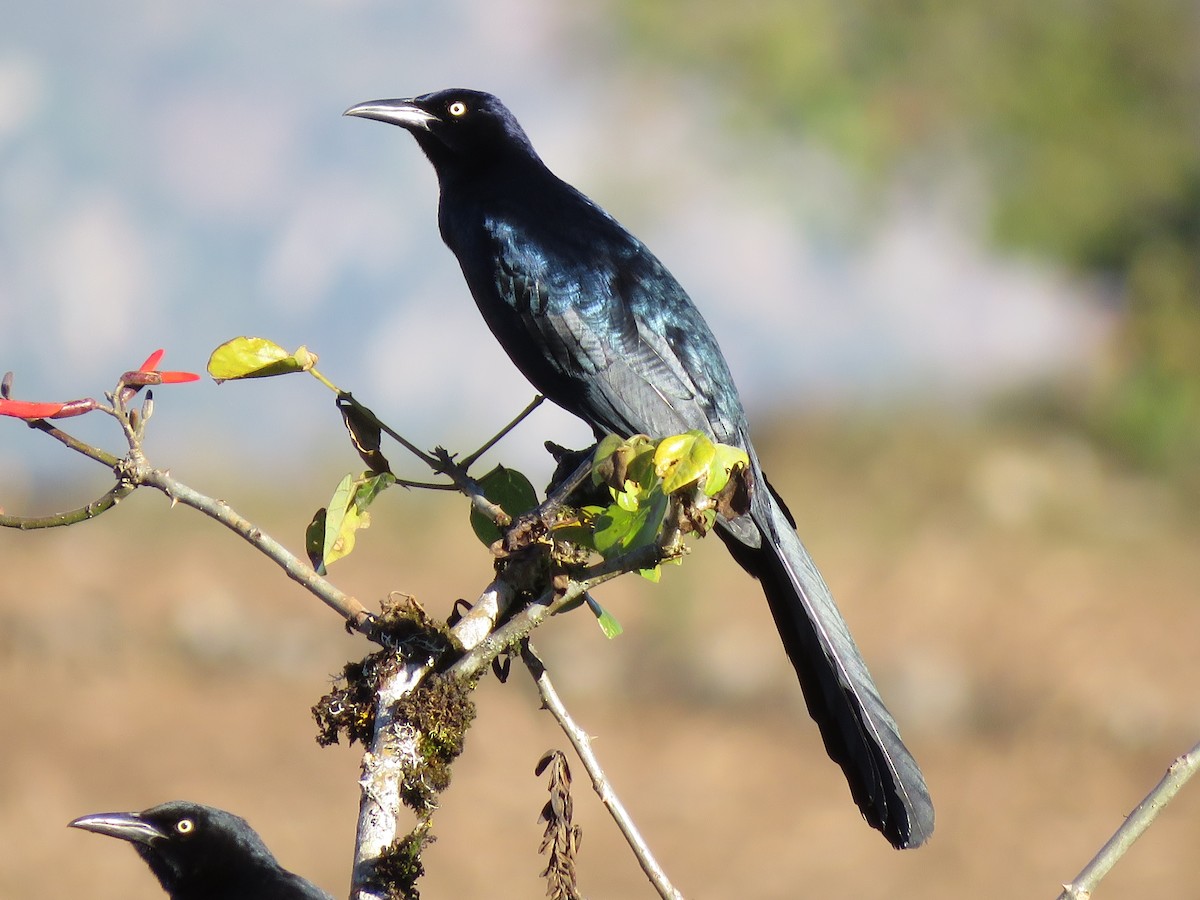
(952, 252)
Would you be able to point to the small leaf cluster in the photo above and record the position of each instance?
(642, 476)
(650, 491)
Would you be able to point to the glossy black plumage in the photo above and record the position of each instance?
(201, 853)
(599, 326)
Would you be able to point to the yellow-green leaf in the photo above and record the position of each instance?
(601, 458)
(682, 459)
(346, 515)
(626, 499)
(255, 357)
(341, 521)
(725, 460)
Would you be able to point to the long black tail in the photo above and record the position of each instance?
(860, 734)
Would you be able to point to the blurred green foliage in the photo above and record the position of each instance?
(1083, 117)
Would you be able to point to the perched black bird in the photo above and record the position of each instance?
(201, 853)
(599, 326)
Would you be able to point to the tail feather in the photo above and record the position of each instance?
(859, 733)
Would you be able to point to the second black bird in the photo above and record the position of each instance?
(201, 853)
(599, 326)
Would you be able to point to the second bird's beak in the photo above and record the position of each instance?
(126, 826)
(404, 113)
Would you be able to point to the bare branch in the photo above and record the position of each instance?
(392, 753)
(349, 608)
(583, 748)
(101, 504)
(395, 747)
(522, 623)
(471, 458)
(474, 628)
(394, 743)
(75, 444)
(458, 474)
(1178, 774)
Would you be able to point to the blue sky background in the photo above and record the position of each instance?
(173, 175)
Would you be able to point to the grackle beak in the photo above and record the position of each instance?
(126, 826)
(404, 113)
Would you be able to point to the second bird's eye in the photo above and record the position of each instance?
(185, 826)
(457, 108)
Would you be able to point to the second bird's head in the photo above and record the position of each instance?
(459, 129)
(189, 847)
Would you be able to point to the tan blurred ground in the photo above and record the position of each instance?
(1030, 610)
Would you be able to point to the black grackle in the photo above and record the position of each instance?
(599, 326)
(201, 853)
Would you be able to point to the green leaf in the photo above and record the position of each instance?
(617, 461)
(341, 521)
(607, 621)
(602, 457)
(254, 357)
(640, 469)
(370, 486)
(727, 458)
(346, 514)
(682, 459)
(620, 530)
(575, 533)
(628, 499)
(314, 541)
(508, 489)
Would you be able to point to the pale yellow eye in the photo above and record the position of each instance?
(457, 108)
(185, 826)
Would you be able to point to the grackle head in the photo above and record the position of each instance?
(455, 127)
(198, 852)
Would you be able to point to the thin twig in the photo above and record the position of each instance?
(443, 463)
(134, 471)
(470, 459)
(74, 443)
(563, 490)
(427, 485)
(349, 608)
(583, 748)
(446, 464)
(89, 511)
(440, 461)
(1178, 774)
